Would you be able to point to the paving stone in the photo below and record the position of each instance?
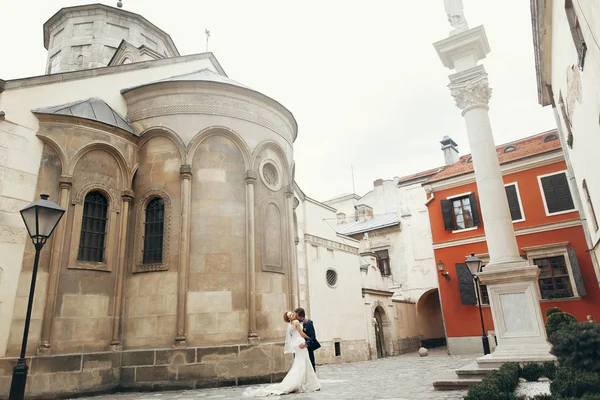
(405, 377)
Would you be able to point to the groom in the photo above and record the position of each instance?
(311, 343)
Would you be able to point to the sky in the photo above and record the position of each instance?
(362, 79)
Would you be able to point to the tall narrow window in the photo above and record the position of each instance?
(93, 228)
(557, 194)
(576, 33)
(383, 262)
(153, 231)
(588, 199)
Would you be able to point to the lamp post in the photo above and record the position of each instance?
(40, 217)
(474, 265)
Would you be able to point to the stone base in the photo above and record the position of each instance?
(63, 376)
(521, 354)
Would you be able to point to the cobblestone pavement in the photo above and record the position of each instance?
(406, 377)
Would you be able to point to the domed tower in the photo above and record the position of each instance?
(90, 36)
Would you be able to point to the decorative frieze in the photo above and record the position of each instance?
(79, 197)
(330, 244)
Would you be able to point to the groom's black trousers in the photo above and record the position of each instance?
(311, 355)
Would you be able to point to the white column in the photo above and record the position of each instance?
(185, 172)
(512, 284)
(251, 256)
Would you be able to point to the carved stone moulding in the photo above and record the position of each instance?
(79, 197)
(272, 237)
(140, 217)
(270, 174)
(470, 88)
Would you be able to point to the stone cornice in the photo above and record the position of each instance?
(377, 292)
(523, 164)
(69, 120)
(518, 232)
(541, 21)
(330, 244)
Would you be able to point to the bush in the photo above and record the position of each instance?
(557, 321)
(549, 369)
(498, 385)
(552, 310)
(572, 383)
(577, 346)
(532, 371)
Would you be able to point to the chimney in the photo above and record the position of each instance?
(341, 218)
(363, 212)
(449, 147)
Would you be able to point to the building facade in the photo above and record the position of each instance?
(567, 59)
(547, 226)
(175, 257)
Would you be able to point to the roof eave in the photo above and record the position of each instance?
(541, 13)
(370, 229)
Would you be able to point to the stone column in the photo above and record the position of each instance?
(65, 183)
(126, 199)
(184, 253)
(511, 282)
(289, 194)
(251, 255)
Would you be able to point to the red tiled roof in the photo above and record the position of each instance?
(524, 148)
(419, 175)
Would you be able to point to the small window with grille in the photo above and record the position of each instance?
(153, 232)
(331, 277)
(93, 228)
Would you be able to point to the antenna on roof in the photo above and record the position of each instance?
(207, 32)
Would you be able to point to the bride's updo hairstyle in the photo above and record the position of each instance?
(287, 316)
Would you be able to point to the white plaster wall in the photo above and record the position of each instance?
(585, 111)
(332, 309)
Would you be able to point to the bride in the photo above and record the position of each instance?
(301, 377)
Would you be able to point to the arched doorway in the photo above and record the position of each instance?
(430, 320)
(378, 321)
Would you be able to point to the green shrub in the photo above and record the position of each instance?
(577, 346)
(498, 385)
(557, 321)
(542, 397)
(552, 310)
(532, 371)
(549, 369)
(572, 383)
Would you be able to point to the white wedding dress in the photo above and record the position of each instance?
(301, 377)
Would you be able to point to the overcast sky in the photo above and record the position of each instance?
(361, 77)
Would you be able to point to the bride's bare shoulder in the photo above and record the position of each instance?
(295, 322)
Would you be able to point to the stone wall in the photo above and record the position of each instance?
(61, 376)
(350, 351)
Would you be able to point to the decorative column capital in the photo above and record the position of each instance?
(470, 88)
(127, 195)
(250, 177)
(65, 181)
(296, 203)
(186, 171)
(289, 191)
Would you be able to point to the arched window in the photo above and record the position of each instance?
(127, 60)
(153, 231)
(550, 138)
(508, 149)
(93, 227)
(588, 199)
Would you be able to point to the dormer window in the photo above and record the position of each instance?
(469, 160)
(508, 149)
(550, 138)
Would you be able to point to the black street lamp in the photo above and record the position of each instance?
(474, 265)
(40, 217)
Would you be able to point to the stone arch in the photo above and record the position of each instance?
(139, 231)
(218, 131)
(430, 319)
(164, 132)
(270, 144)
(113, 151)
(112, 196)
(54, 145)
(382, 328)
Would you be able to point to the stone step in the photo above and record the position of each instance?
(455, 384)
(473, 371)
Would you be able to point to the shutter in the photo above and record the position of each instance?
(447, 215)
(465, 285)
(474, 209)
(513, 202)
(550, 194)
(563, 193)
(576, 273)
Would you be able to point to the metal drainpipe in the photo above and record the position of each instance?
(576, 196)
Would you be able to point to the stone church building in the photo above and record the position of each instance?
(178, 234)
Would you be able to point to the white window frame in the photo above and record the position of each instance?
(552, 250)
(543, 194)
(516, 184)
(458, 196)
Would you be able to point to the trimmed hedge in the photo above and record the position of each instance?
(557, 320)
(532, 371)
(577, 346)
(498, 385)
(572, 383)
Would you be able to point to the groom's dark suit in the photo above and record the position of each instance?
(312, 343)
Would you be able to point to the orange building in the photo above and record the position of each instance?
(547, 227)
